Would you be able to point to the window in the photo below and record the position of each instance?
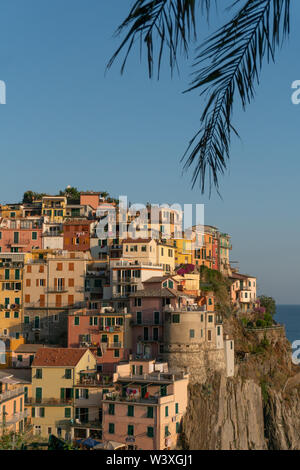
(39, 374)
(209, 335)
(76, 320)
(59, 432)
(59, 267)
(111, 428)
(130, 410)
(130, 430)
(167, 431)
(42, 412)
(218, 330)
(150, 412)
(68, 373)
(139, 317)
(166, 411)
(71, 266)
(16, 314)
(176, 408)
(137, 302)
(177, 428)
(34, 235)
(7, 314)
(67, 412)
(111, 409)
(71, 282)
(150, 431)
(210, 318)
(192, 333)
(116, 353)
(176, 318)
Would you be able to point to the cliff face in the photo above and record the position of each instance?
(257, 409)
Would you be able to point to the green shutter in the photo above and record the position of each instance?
(62, 393)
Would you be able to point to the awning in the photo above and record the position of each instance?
(110, 445)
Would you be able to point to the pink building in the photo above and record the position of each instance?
(104, 333)
(20, 236)
(147, 307)
(146, 409)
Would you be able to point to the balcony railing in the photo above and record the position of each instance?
(11, 393)
(117, 345)
(57, 289)
(49, 401)
(16, 418)
(151, 339)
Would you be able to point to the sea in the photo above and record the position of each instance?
(289, 315)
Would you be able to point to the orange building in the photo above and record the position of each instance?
(77, 235)
(13, 415)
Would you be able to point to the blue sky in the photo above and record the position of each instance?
(66, 122)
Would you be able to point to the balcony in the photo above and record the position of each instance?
(128, 280)
(185, 308)
(150, 339)
(16, 418)
(111, 329)
(114, 396)
(11, 393)
(54, 290)
(114, 345)
(77, 423)
(51, 401)
(147, 322)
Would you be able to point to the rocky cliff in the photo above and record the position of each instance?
(257, 409)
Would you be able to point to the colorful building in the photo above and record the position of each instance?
(77, 235)
(13, 415)
(11, 287)
(56, 376)
(146, 409)
(20, 236)
(54, 208)
(105, 331)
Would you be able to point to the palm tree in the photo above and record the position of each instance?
(226, 66)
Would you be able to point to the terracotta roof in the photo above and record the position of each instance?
(155, 292)
(241, 276)
(137, 240)
(58, 357)
(28, 348)
(158, 279)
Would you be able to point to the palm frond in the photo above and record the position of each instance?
(168, 23)
(230, 62)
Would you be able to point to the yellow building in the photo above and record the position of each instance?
(151, 252)
(56, 375)
(11, 288)
(184, 253)
(13, 414)
(54, 208)
(11, 344)
(11, 211)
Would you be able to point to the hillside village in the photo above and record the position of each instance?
(101, 337)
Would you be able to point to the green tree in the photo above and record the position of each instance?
(70, 192)
(226, 66)
(269, 304)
